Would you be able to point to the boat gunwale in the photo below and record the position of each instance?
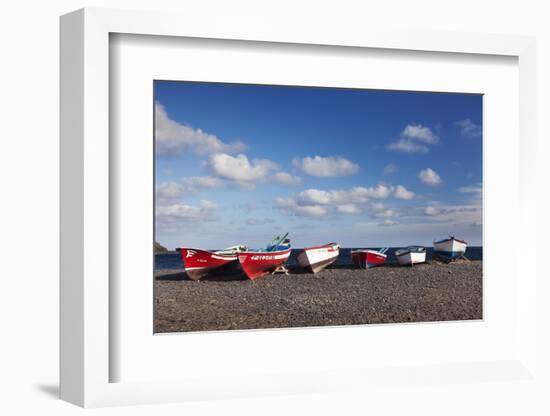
(264, 252)
(406, 250)
(450, 239)
(334, 246)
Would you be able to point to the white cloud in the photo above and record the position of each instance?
(289, 206)
(429, 177)
(245, 186)
(311, 210)
(420, 133)
(432, 211)
(204, 181)
(316, 202)
(246, 173)
(173, 190)
(348, 209)
(258, 221)
(475, 192)
(172, 137)
(414, 139)
(402, 193)
(316, 196)
(390, 168)
(448, 216)
(379, 192)
(284, 178)
(386, 213)
(388, 223)
(207, 205)
(170, 190)
(407, 146)
(468, 128)
(454, 213)
(471, 189)
(326, 166)
(357, 194)
(239, 168)
(180, 212)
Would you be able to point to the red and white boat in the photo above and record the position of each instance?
(258, 263)
(317, 258)
(198, 263)
(365, 258)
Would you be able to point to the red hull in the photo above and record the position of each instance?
(257, 263)
(198, 263)
(367, 258)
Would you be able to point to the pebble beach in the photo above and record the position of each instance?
(335, 296)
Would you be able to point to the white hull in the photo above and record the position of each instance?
(317, 258)
(451, 247)
(408, 259)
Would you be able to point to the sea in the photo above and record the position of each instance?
(172, 260)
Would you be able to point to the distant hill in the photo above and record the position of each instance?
(159, 248)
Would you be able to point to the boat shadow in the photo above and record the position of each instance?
(174, 276)
(305, 270)
(232, 274)
(354, 267)
(299, 270)
(226, 273)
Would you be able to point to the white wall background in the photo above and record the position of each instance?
(29, 57)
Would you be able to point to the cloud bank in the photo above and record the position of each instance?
(172, 138)
(326, 167)
(246, 172)
(468, 128)
(430, 177)
(414, 139)
(317, 202)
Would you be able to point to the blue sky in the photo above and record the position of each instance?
(237, 164)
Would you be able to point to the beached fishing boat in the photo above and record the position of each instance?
(198, 263)
(450, 248)
(317, 258)
(365, 259)
(258, 263)
(411, 255)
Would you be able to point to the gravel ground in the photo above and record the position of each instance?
(336, 296)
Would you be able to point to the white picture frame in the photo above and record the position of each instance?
(86, 333)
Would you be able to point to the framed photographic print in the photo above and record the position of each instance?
(281, 213)
(347, 180)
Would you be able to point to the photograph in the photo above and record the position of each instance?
(286, 206)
